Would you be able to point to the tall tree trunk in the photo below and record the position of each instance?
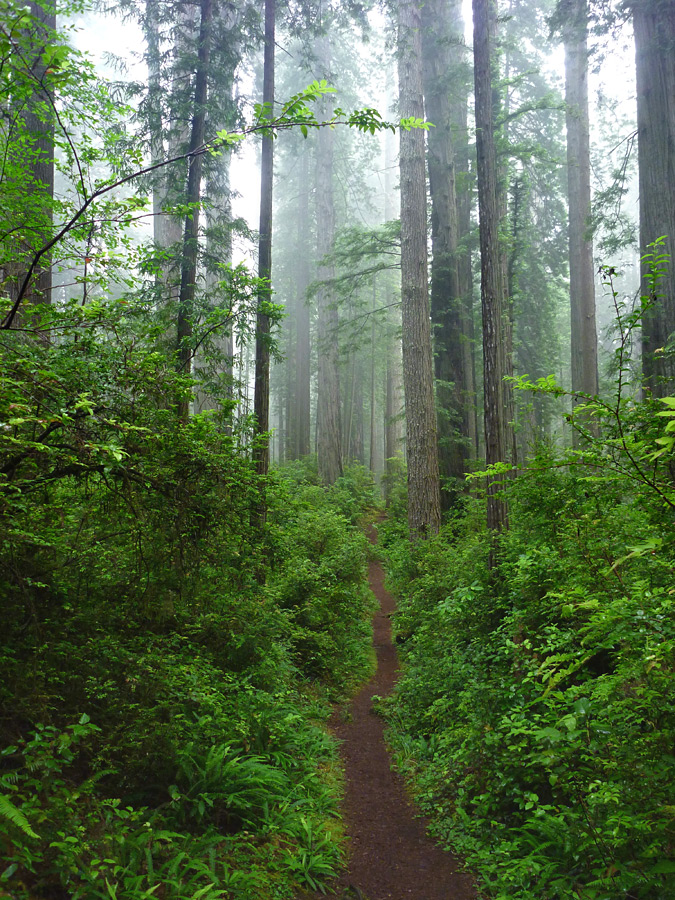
(154, 107)
(447, 314)
(216, 374)
(261, 397)
(393, 387)
(188, 277)
(35, 155)
(372, 439)
(463, 75)
(42, 127)
(356, 449)
(654, 27)
(584, 341)
(169, 135)
(492, 289)
(501, 109)
(424, 503)
(328, 424)
(303, 348)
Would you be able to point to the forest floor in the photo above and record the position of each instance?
(391, 857)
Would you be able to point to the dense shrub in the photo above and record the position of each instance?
(536, 711)
(165, 664)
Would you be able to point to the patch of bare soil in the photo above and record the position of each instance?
(391, 856)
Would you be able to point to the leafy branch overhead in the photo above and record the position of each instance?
(295, 113)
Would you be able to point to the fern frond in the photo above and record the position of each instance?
(15, 816)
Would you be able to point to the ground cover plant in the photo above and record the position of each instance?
(166, 666)
(536, 711)
(168, 654)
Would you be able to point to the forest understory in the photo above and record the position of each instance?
(465, 333)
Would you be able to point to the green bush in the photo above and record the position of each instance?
(536, 711)
(138, 590)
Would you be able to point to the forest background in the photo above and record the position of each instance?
(178, 614)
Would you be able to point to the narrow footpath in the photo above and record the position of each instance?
(390, 857)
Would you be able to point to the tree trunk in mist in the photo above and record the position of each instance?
(439, 45)
(584, 342)
(356, 444)
(459, 100)
(261, 396)
(654, 27)
(372, 442)
(394, 373)
(43, 165)
(302, 445)
(424, 503)
(501, 103)
(154, 110)
(219, 393)
(39, 169)
(328, 424)
(492, 289)
(188, 277)
(167, 140)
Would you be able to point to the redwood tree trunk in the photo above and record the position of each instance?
(302, 314)
(188, 277)
(393, 387)
(584, 342)
(35, 229)
(492, 289)
(654, 27)
(439, 45)
(424, 504)
(261, 397)
(328, 422)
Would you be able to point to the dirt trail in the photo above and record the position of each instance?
(391, 857)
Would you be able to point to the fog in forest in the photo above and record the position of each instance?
(337, 449)
(364, 196)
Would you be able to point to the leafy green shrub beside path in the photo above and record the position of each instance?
(536, 710)
(161, 711)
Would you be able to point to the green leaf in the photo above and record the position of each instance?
(665, 867)
(15, 816)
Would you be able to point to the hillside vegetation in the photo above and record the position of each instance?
(165, 665)
(536, 712)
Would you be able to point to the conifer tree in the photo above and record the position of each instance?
(492, 288)
(328, 413)
(654, 29)
(424, 506)
(261, 400)
(441, 45)
(582, 287)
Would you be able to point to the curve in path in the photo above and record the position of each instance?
(391, 856)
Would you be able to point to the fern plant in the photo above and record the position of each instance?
(12, 813)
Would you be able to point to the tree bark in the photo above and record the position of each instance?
(328, 420)
(303, 347)
(424, 505)
(654, 27)
(439, 45)
(188, 279)
(584, 342)
(38, 165)
(492, 289)
(261, 397)
(393, 387)
(372, 442)
(463, 73)
(169, 135)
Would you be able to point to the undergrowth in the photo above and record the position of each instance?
(162, 705)
(536, 710)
